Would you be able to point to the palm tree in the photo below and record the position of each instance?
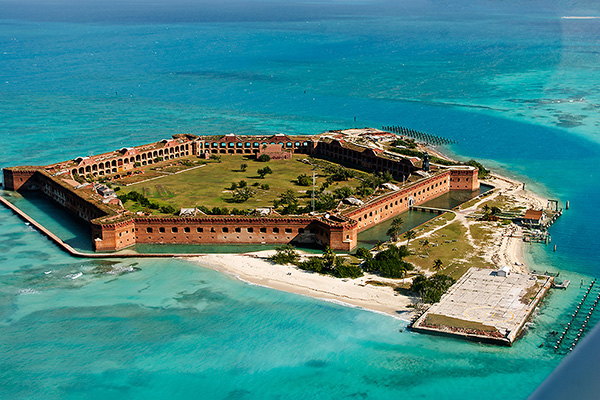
(395, 229)
(438, 265)
(410, 234)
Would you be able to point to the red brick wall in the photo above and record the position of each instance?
(225, 230)
(464, 179)
(114, 236)
(398, 202)
(15, 179)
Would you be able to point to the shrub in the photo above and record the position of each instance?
(285, 254)
(304, 180)
(314, 264)
(431, 289)
(345, 270)
(363, 253)
(168, 209)
(264, 158)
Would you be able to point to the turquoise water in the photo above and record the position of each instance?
(515, 84)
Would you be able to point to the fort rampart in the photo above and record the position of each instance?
(114, 228)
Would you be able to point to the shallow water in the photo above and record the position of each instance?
(496, 77)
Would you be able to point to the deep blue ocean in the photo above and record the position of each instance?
(516, 83)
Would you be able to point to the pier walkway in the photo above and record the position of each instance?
(430, 209)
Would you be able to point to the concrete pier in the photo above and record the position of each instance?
(486, 307)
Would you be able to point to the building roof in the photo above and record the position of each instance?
(533, 214)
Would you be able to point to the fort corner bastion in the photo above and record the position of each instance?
(73, 185)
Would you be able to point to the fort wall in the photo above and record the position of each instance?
(464, 178)
(395, 203)
(363, 158)
(117, 229)
(17, 179)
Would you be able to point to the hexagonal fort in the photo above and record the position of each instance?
(187, 167)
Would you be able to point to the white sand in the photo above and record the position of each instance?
(256, 269)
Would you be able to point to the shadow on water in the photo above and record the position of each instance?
(370, 237)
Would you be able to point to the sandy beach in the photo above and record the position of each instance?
(506, 248)
(256, 269)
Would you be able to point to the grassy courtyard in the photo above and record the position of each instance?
(209, 185)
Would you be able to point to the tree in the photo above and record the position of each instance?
(304, 180)
(264, 171)
(438, 265)
(343, 192)
(431, 289)
(328, 258)
(363, 253)
(285, 254)
(342, 269)
(288, 201)
(243, 194)
(325, 201)
(410, 234)
(395, 229)
(389, 263)
(243, 167)
(387, 176)
(168, 209)
(242, 183)
(264, 158)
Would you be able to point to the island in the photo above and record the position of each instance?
(319, 190)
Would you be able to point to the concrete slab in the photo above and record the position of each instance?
(484, 306)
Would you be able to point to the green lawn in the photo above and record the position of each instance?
(208, 185)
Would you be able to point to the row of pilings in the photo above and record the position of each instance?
(428, 138)
(578, 324)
